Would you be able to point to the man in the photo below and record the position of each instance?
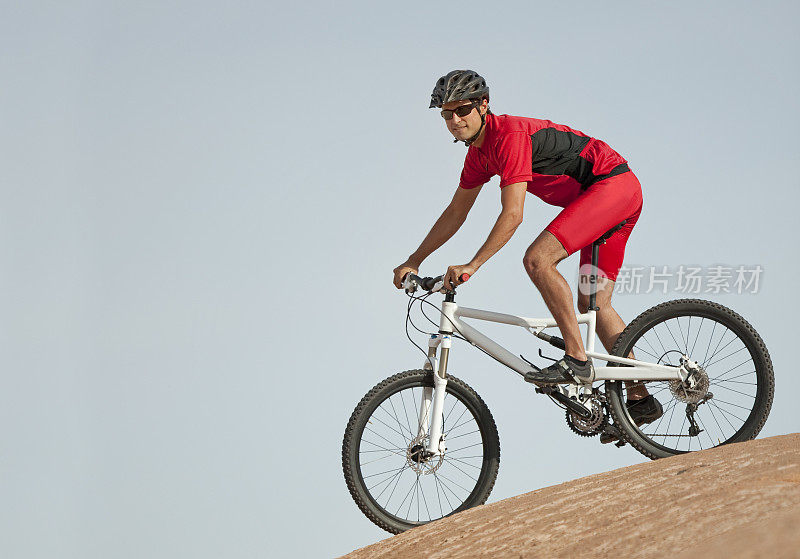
(564, 167)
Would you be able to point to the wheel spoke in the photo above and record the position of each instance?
(670, 333)
(463, 472)
(405, 411)
(729, 355)
(379, 435)
(391, 428)
(717, 349)
(459, 418)
(398, 472)
(397, 450)
(730, 379)
(425, 501)
(697, 337)
(373, 461)
(460, 461)
(446, 498)
(738, 392)
(733, 368)
(464, 435)
(394, 413)
(726, 413)
(714, 329)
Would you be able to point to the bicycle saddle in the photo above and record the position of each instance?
(610, 232)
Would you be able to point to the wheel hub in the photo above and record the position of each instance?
(416, 454)
(420, 460)
(693, 389)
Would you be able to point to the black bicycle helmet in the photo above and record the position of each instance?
(459, 85)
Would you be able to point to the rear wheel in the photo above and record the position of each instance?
(390, 477)
(730, 395)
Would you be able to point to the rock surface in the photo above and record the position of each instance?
(740, 500)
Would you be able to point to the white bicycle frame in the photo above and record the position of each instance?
(432, 403)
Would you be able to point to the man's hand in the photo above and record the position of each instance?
(401, 271)
(453, 276)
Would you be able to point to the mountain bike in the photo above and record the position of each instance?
(422, 444)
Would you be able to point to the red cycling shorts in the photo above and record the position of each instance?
(599, 208)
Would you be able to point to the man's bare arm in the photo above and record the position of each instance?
(447, 225)
(513, 200)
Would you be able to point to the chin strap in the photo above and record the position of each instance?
(469, 141)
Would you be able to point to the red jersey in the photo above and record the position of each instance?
(557, 162)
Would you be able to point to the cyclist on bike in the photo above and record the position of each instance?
(566, 168)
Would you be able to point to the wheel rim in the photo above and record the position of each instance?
(730, 362)
(405, 486)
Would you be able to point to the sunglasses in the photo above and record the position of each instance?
(461, 111)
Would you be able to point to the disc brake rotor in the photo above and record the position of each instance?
(683, 391)
(418, 458)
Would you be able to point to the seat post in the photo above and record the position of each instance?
(595, 257)
(593, 277)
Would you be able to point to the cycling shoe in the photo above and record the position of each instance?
(643, 411)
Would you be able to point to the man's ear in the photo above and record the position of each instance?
(484, 105)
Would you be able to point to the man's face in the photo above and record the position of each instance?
(464, 127)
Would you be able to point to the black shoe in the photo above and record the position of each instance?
(610, 435)
(643, 411)
(566, 370)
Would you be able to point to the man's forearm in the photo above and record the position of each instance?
(502, 231)
(444, 228)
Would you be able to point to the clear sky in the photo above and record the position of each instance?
(202, 204)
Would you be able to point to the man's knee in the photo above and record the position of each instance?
(536, 262)
(583, 303)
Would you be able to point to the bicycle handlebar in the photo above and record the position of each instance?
(411, 281)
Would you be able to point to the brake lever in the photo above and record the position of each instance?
(441, 288)
(409, 285)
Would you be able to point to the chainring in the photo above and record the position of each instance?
(591, 426)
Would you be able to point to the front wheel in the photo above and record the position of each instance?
(390, 477)
(727, 400)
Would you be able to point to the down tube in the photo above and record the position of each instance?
(492, 348)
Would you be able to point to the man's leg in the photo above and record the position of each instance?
(540, 262)
(609, 325)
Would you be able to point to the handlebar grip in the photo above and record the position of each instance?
(463, 277)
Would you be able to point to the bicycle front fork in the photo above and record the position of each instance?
(432, 404)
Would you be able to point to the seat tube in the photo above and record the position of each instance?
(593, 308)
(590, 330)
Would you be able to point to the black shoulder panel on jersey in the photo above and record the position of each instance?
(556, 152)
